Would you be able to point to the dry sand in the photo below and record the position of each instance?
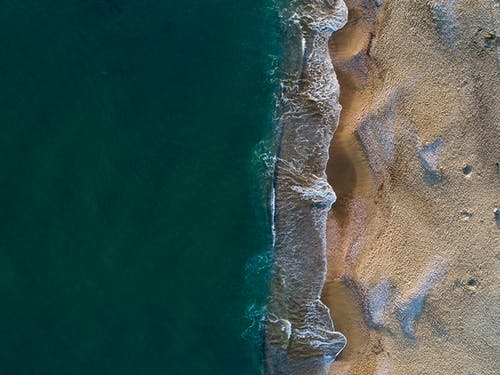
(413, 239)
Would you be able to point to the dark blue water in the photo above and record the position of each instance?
(131, 196)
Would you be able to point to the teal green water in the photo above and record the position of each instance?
(129, 203)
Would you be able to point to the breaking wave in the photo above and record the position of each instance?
(300, 336)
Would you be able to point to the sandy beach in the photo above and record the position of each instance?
(412, 239)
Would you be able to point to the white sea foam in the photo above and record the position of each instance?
(309, 111)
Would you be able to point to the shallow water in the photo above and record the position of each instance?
(300, 336)
(133, 193)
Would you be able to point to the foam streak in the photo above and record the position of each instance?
(301, 338)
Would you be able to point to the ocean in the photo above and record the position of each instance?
(134, 195)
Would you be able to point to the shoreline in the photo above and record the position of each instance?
(300, 335)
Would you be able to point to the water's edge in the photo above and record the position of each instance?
(300, 336)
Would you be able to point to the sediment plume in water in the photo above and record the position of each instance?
(300, 335)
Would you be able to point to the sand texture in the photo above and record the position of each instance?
(413, 238)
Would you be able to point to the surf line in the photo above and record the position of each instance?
(300, 335)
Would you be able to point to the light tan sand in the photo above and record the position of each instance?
(413, 243)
